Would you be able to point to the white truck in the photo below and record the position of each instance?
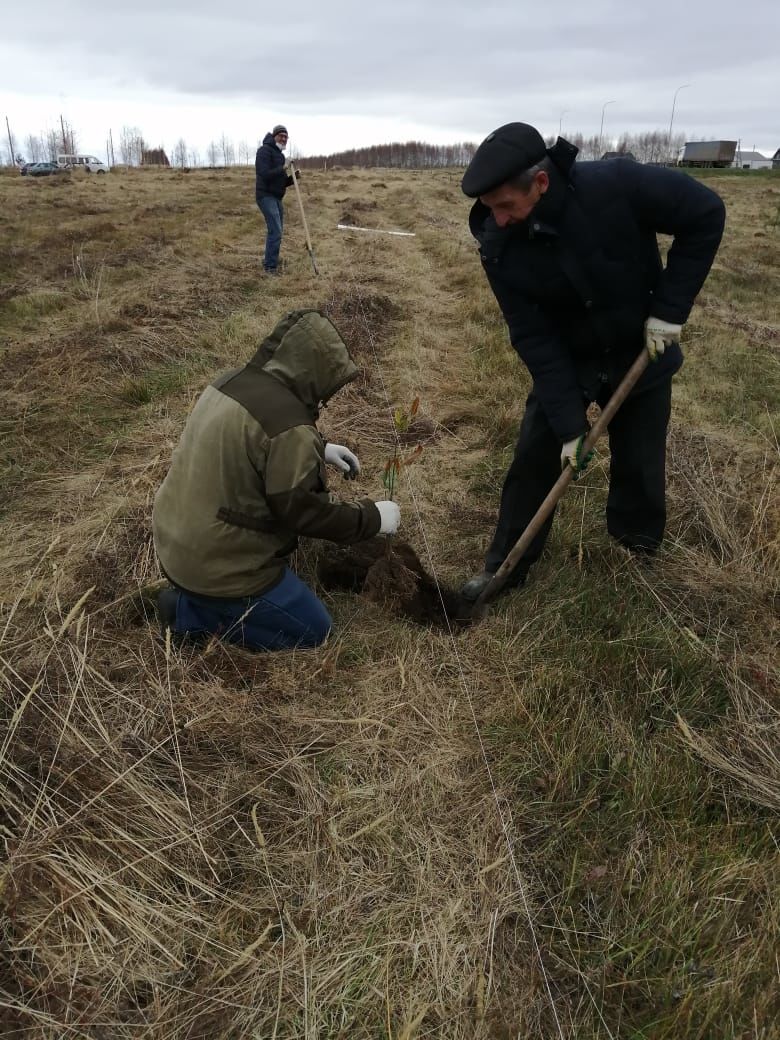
(88, 163)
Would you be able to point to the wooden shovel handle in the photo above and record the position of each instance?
(303, 216)
(558, 489)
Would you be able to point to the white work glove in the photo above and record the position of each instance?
(343, 459)
(659, 335)
(571, 455)
(391, 517)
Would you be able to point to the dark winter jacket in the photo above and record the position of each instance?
(248, 475)
(578, 278)
(270, 178)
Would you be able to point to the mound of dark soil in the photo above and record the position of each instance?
(355, 211)
(390, 573)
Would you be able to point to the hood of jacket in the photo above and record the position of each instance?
(306, 353)
(269, 140)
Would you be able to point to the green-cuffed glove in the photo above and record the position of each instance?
(571, 455)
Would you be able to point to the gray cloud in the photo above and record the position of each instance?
(461, 66)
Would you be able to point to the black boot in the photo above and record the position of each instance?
(475, 586)
(166, 609)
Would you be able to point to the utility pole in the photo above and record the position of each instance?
(112, 160)
(671, 121)
(601, 131)
(560, 121)
(10, 143)
(64, 141)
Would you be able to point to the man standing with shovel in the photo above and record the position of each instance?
(271, 182)
(571, 255)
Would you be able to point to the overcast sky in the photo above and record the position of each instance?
(343, 73)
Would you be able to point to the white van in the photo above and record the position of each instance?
(88, 163)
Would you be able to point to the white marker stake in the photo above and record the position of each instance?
(375, 231)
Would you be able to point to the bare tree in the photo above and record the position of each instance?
(35, 148)
(51, 144)
(228, 152)
(212, 154)
(194, 157)
(67, 138)
(180, 153)
(131, 146)
(11, 149)
(244, 153)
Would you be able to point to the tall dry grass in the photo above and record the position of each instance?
(560, 823)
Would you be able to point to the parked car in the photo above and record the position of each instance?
(44, 169)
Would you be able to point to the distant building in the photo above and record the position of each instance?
(154, 157)
(745, 160)
(776, 160)
(719, 154)
(619, 155)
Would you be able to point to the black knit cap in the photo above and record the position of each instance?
(503, 154)
(279, 129)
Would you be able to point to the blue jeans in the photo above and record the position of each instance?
(288, 615)
(273, 211)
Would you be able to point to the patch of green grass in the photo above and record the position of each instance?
(159, 383)
(736, 384)
(748, 176)
(34, 305)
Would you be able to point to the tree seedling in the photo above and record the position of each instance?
(402, 420)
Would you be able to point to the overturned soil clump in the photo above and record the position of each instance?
(392, 575)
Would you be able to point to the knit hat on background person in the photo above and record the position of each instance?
(279, 129)
(504, 154)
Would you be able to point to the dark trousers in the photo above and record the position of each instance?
(273, 211)
(636, 504)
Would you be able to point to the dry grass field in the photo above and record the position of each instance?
(561, 822)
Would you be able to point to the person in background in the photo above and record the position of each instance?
(271, 182)
(571, 254)
(247, 478)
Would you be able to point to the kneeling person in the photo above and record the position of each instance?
(247, 478)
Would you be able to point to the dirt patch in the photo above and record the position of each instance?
(422, 430)
(395, 579)
(355, 210)
(144, 312)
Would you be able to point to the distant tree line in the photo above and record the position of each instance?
(653, 146)
(401, 155)
(133, 149)
(130, 148)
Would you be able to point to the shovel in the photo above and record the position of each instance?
(303, 217)
(558, 489)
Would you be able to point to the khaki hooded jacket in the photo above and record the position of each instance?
(248, 475)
